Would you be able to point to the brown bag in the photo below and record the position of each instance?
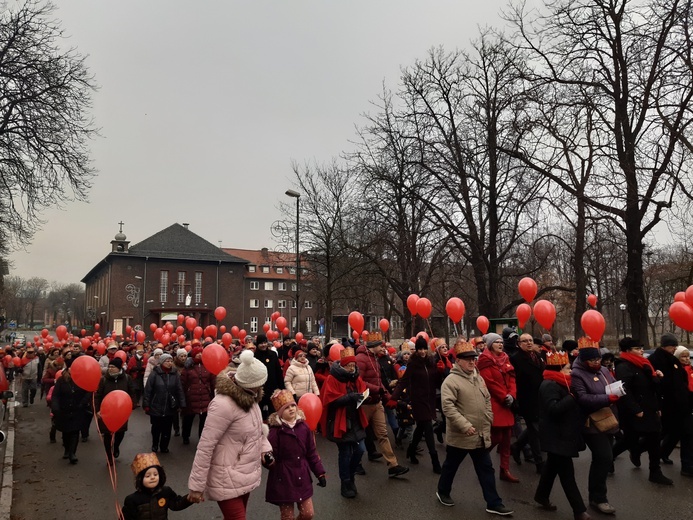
(604, 419)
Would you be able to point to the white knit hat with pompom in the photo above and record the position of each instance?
(251, 373)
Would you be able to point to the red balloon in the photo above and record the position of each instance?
(275, 315)
(61, 331)
(592, 322)
(689, 295)
(215, 358)
(482, 324)
(242, 334)
(680, 296)
(44, 333)
(165, 339)
(168, 327)
(312, 409)
(523, 312)
(100, 349)
(335, 351)
(682, 315)
(180, 330)
(197, 332)
(528, 290)
(16, 361)
(82, 332)
(545, 313)
(122, 355)
(97, 326)
(355, 335)
(384, 325)
(286, 331)
(299, 336)
(423, 307)
(424, 335)
(116, 408)
(58, 374)
(281, 322)
(364, 334)
(180, 319)
(220, 313)
(411, 303)
(226, 339)
(190, 323)
(141, 336)
(212, 331)
(455, 309)
(128, 330)
(222, 329)
(86, 373)
(356, 321)
(85, 343)
(234, 331)
(153, 327)
(266, 327)
(158, 333)
(592, 300)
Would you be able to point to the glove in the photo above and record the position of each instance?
(613, 398)
(508, 400)
(356, 397)
(322, 481)
(392, 404)
(440, 366)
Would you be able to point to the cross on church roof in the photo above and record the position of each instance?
(121, 224)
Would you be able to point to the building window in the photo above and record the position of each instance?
(254, 286)
(251, 268)
(308, 304)
(280, 270)
(269, 304)
(198, 286)
(163, 287)
(265, 269)
(181, 286)
(309, 324)
(294, 287)
(292, 270)
(253, 325)
(281, 304)
(269, 286)
(254, 304)
(281, 286)
(293, 304)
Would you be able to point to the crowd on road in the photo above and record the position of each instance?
(536, 403)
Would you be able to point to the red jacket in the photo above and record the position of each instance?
(500, 381)
(369, 371)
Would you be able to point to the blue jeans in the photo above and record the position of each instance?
(350, 454)
(484, 472)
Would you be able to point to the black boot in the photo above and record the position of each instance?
(347, 491)
(436, 463)
(411, 454)
(72, 455)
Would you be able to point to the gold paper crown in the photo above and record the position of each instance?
(143, 461)
(281, 397)
(347, 352)
(557, 358)
(587, 342)
(463, 346)
(374, 336)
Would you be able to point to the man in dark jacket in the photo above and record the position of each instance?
(674, 394)
(529, 369)
(275, 374)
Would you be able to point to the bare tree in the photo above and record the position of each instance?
(34, 290)
(44, 127)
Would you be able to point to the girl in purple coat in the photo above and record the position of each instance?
(294, 456)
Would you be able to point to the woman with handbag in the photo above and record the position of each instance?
(588, 383)
(163, 397)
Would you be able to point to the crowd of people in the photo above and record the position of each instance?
(526, 397)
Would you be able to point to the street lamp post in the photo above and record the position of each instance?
(623, 316)
(297, 196)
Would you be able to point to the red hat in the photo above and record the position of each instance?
(347, 356)
(196, 350)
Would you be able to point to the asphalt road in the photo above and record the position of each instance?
(47, 487)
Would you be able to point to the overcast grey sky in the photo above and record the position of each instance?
(203, 106)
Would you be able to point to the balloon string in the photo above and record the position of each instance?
(112, 473)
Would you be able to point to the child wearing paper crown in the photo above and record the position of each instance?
(294, 457)
(153, 498)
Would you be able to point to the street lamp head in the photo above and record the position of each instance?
(292, 193)
(138, 277)
(96, 297)
(622, 306)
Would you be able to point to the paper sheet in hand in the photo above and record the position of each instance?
(365, 396)
(616, 389)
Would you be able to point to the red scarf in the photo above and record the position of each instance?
(638, 361)
(500, 360)
(558, 377)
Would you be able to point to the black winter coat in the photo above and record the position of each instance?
(163, 394)
(142, 505)
(673, 387)
(420, 380)
(528, 377)
(107, 385)
(70, 405)
(198, 385)
(275, 375)
(642, 395)
(560, 421)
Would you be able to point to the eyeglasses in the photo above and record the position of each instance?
(443, 346)
(526, 341)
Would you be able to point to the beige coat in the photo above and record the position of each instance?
(466, 402)
(299, 379)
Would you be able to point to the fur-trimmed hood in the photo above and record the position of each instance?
(274, 422)
(226, 385)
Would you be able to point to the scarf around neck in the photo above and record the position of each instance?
(639, 361)
(500, 361)
(558, 377)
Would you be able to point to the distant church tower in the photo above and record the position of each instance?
(120, 243)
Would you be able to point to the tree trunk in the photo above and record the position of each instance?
(634, 281)
(579, 266)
